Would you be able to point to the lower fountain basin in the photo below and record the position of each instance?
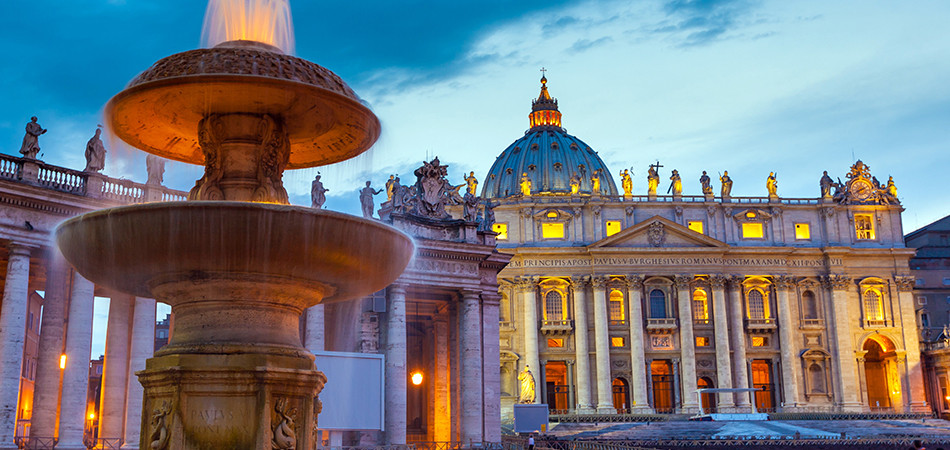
(137, 249)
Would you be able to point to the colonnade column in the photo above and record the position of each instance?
(395, 364)
(443, 410)
(72, 415)
(491, 369)
(527, 287)
(846, 365)
(602, 347)
(16, 299)
(914, 368)
(641, 404)
(791, 367)
(315, 335)
(470, 365)
(48, 373)
(581, 351)
(687, 342)
(115, 369)
(725, 402)
(738, 339)
(142, 348)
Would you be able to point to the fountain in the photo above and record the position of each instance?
(236, 262)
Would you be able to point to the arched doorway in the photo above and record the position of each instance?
(621, 396)
(708, 399)
(880, 372)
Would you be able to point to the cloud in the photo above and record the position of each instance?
(586, 44)
(701, 22)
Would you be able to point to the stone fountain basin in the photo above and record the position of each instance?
(134, 249)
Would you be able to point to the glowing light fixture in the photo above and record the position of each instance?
(92, 416)
(62, 361)
(416, 378)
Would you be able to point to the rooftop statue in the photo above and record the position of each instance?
(489, 216)
(706, 183)
(155, 166)
(389, 188)
(826, 184)
(31, 139)
(401, 197)
(653, 178)
(575, 184)
(366, 199)
(527, 386)
(470, 207)
(525, 184)
(472, 183)
(771, 184)
(676, 184)
(318, 193)
(595, 182)
(626, 182)
(726, 183)
(891, 187)
(95, 153)
(864, 189)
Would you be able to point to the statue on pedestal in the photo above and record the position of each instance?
(318, 194)
(626, 182)
(707, 185)
(95, 153)
(366, 200)
(771, 184)
(676, 184)
(470, 207)
(389, 188)
(155, 167)
(726, 183)
(595, 182)
(31, 146)
(575, 184)
(525, 184)
(826, 184)
(527, 386)
(891, 187)
(472, 183)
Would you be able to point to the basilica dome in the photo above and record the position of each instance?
(548, 156)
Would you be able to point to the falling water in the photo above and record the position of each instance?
(266, 21)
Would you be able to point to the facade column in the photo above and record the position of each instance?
(395, 352)
(443, 410)
(571, 401)
(649, 371)
(491, 369)
(737, 326)
(73, 408)
(725, 402)
(845, 362)
(581, 350)
(687, 342)
(471, 364)
(791, 367)
(528, 287)
(602, 347)
(48, 373)
(677, 384)
(314, 336)
(115, 369)
(16, 300)
(914, 367)
(641, 404)
(142, 348)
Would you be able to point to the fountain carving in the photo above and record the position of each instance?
(237, 263)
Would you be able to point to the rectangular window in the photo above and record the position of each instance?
(555, 343)
(864, 226)
(922, 300)
(616, 341)
(752, 230)
(695, 225)
(613, 227)
(946, 281)
(802, 231)
(760, 341)
(502, 230)
(702, 341)
(552, 230)
(924, 320)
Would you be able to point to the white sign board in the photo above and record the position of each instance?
(353, 397)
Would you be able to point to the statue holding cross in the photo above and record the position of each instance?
(653, 178)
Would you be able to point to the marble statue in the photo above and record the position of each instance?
(527, 386)
(676, 184)
(653, 178)
(525, 184)
(400, 199)
(366, 200)
(707, 185)
(771, 184)
(626, 182)
(159, 437)
(575, 184)
(470, 207)
(31, 139)
(318, 193)
(891, 187)
(826, 184)
(389, 188)
(285, 438)
(472, 183)
(155, 166)
(489, 216)
(726, 183)
(595, 182)
(95, 153)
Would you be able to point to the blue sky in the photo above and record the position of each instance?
(745, 86)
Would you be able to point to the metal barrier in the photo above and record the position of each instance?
(35, 442)
(105, 443)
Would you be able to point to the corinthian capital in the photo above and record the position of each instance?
(718, 281)
(580, 281)
(904, 283)
(599, 281)
(735, 281)
(526, 283)
(635, 281)
(837, 282)
(682, 281)
(783, 282)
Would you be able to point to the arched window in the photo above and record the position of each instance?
(817, 377)
(873, 306)
(809, 305)
(657, 304)
(553, 306)
(700, 306)
(758, 307)
(616, 307)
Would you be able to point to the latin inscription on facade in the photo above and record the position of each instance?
(674, 261)
(664, 342)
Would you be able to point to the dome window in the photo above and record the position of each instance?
(534, 147)
(574, 147)
(508, 171)
(532, 167)
(558, 166)
(554, 146)
(516, 150)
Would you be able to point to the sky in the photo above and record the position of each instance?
(738, 85)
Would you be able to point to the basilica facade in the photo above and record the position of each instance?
(621, 302)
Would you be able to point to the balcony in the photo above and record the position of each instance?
(813, 323)
(760, 325)
(617, 323)
(666, 325)
(876, 323)
(557, 327)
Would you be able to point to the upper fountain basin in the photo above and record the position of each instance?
(160, 109)
(135, 248)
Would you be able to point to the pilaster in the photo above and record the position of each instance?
(913, 366)
(845, 364)
(791, 368)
